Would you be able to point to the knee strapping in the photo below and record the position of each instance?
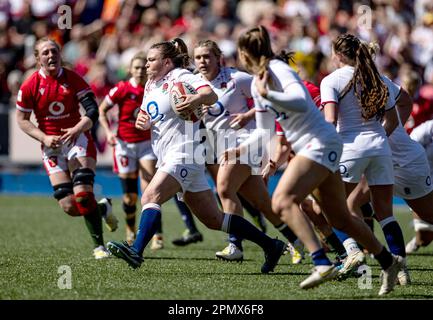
(83, 176)
(86, 202)
(367, 210)
(129, 185)
(62, 190)
(129, 209)
(421, 225)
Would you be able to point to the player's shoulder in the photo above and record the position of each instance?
(118, 89)
(70, 73)
(123, 85)
(238, 75)
(274, 63)
(335, 75)
(282, 70)
(73, 77)
(179, 72)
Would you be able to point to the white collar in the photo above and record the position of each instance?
(133, 82)
(41, 72)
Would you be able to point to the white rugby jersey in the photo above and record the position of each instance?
(299, 127)
(361, 138)
(171, 136)
(403, 148)
(233, 88)
(423, 134)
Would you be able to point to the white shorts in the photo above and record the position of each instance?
(191, 177)
(127, 155)
(413, 181)
(56, 159)
(326, 152)
(217, 142)
(377, 170)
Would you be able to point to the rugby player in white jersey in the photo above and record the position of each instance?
(279, 94)
(423, 134)
(356, 99)
(228, 123)
(180, 162)
(411, 170)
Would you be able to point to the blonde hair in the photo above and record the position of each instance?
(139, 56)
(42, 40)
(370, 90)
(256, 45)
(212, 46)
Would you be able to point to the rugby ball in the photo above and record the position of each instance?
(178, 90)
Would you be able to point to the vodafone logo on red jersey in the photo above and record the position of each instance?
(56, 108)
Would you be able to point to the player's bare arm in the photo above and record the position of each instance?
(390, 121)
(241, 119)
(87, 121)
(23, 120)
(103, 121)
(404, 106)
(205, 95)
(281, 154)
(330, 111)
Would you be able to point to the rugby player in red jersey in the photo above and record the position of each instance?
(54, 94)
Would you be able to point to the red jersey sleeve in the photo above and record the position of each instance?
(115, 95)
(79, 85)
(25, 102)
(314, 93)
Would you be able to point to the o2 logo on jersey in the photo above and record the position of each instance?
(56, 108)
(428, 181)
(278, 115)
(183, 173)
(153, 111)
(332, 156)
(343, 170)
(216, 109)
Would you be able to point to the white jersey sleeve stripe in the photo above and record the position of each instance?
(108, 100)
(83, 92)
(23, 109)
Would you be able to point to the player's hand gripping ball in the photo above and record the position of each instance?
(178, 90)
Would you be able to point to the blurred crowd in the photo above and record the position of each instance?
(105, 34)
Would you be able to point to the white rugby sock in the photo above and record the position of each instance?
(350, 245)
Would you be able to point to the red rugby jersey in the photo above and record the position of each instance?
(128, 95)
(54, 100)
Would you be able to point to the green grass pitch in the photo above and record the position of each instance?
(37, 238)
